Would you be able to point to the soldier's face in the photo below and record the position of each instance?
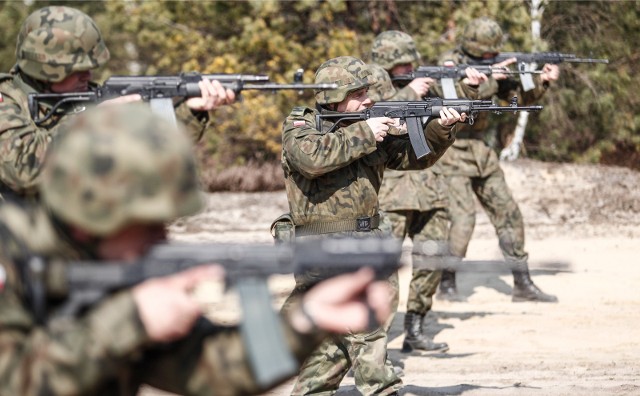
(355, 101)
(75, 82)
(403, 68)
(489, 55)
(131, 242)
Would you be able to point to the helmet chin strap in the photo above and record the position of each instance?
(87, 244)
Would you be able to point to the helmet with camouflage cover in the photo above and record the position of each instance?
(393, 48)
(482, 35)
(349, 73)
(57, 41)
(382, 88)
(116, 165)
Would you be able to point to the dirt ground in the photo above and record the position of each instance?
(583, 234)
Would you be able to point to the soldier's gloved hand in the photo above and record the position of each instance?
(342, 304)
(503, 64)
(550, 72)
(380, 126)
(421, 85)
(449, 116)
(213, 95)
(165, 305)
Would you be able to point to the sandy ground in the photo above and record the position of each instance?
(583, 235)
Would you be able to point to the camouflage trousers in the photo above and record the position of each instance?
(495, 197)
(429, 232)
(364, 353)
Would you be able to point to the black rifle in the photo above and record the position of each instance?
(539, 58)
(454, 72)
(247, 268)
(448, 75)
(160, 90)
(416, 114)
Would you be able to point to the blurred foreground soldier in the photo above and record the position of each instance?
(332, 181)
(473, 167)
(57, 49)
(110, 183)
(414, 201)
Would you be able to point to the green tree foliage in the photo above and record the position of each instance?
(589, 116)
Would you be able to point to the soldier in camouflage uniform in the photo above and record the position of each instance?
(113, 179)
(415, 201)
(57, 47)
(332, 182)
(473, 167)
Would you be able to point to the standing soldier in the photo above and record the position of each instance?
(473, 167)
(112, 181)
(332, 182)
(57, 48)
(415, 201)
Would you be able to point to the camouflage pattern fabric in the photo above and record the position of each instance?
(137, 167)
(382, 87)
(349, 73)
(482, 35)
(336, 176)
(364, 353)
(55, 42)
(473, 168)
(106, 351)
(23, 145)
(496, 199)
(393, 48)
(429, 231)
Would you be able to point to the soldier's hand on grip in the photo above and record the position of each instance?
(380, 126)
(449, 116)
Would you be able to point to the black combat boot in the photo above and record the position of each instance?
(448, 290)
(525, 290)
(414, 338)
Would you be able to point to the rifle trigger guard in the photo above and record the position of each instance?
(471, 120)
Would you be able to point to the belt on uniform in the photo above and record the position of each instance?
(361, 224)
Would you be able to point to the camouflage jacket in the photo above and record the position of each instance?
(421, 190)
(23, 144)
(470, 156)
(106, 351)
(337, 176)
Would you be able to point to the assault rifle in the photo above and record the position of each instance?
(448, 75)
(527, 61)
(247, 268)
(539, 58)
(160, 91)
(416, 114)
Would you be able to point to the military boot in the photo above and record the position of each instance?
(525, 290)
(448, 290)
(414, 338)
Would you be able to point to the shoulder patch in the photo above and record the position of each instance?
(299, 111)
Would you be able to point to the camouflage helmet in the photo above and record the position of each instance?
(393, 48)
(382, 88)
(56, 41)
(116, 165)
(349, 73)
(482, 35)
